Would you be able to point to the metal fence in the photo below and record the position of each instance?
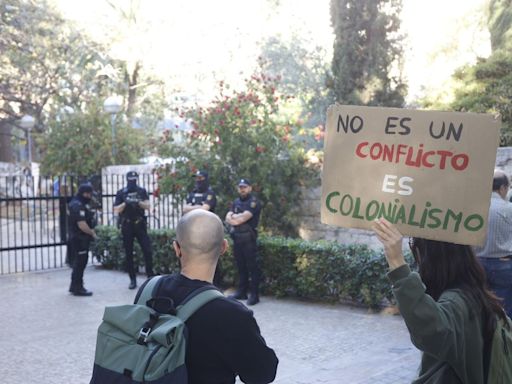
(33, 216)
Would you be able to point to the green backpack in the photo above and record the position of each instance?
(137, 344)
(500, 365)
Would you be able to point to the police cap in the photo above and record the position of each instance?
(132, 175)
(244, 182)
(85, 188)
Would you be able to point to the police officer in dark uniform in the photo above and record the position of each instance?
(244, 216)
(81, 223)
(202, 196)
(130, 204)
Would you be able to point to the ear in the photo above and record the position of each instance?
(177, 249)
(224, 247)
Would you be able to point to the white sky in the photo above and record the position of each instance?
(195, 43)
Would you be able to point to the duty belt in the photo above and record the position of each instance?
(134, 221)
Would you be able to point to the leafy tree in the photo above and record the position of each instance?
(500, 24)
(367, 52)
(81, 143)
(302, 72)
(241, 134)
(45, 64)
(486, 87)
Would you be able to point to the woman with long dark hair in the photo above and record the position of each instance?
(450, 314)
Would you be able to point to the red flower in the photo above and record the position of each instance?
(260, 149)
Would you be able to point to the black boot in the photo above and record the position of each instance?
(254, 298)
(239, 295)
(133, 283)
(81, 292)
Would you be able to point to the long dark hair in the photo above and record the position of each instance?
(445, 266)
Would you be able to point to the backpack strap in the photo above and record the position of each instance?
(150, 287)
(196, 300)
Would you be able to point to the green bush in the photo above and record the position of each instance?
(316, 270)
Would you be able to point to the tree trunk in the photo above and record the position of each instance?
(6, 150)
(133, 82)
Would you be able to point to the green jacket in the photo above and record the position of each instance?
(448, 331)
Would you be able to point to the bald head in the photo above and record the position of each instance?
(499, 180)
(200, 235)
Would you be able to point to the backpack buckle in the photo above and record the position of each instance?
(143, 335)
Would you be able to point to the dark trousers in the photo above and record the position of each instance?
(137, 230)
(245, 251)
(78, 253)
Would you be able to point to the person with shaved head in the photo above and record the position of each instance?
(224, 340)
(496, 254)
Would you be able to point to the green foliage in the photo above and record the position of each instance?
(487, 88)
(81, 143)
(500, 24)
(45, 62)
(316, 270)
(367, 50)
(47, 65)
(243, 134)
(303, 70)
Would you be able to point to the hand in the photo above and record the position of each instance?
(391, 239)
(94, 235)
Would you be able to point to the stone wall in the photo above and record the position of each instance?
(311, 229)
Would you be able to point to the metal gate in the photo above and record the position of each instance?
(33, 216)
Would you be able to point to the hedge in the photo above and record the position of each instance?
(316, 270)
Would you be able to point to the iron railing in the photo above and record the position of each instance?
(33, 216)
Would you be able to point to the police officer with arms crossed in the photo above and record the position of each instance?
(130, 204)
(243, 217)
(81, 223)
(202, 196)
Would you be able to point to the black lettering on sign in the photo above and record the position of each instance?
(445, 131)
(391, 125)
(355, 123)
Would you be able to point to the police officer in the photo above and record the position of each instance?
(81, 223)
(243, 217)
(202, 196)
(130, 204)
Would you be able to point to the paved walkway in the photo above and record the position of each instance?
(48, 336)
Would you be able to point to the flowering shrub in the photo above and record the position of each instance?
(246, 134)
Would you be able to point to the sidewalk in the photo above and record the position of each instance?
(48, 336)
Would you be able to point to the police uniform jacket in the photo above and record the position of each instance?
(251, 204)
(79, 211)
(132, 212)
(199, 198)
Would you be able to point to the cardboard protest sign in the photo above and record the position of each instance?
(428, 172)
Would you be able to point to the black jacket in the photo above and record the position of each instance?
(224, 339)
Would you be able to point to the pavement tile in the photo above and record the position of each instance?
(49, 336)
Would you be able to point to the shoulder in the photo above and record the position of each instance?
(458, 300)
(226, 313)
(254, 202)
(75, 204)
